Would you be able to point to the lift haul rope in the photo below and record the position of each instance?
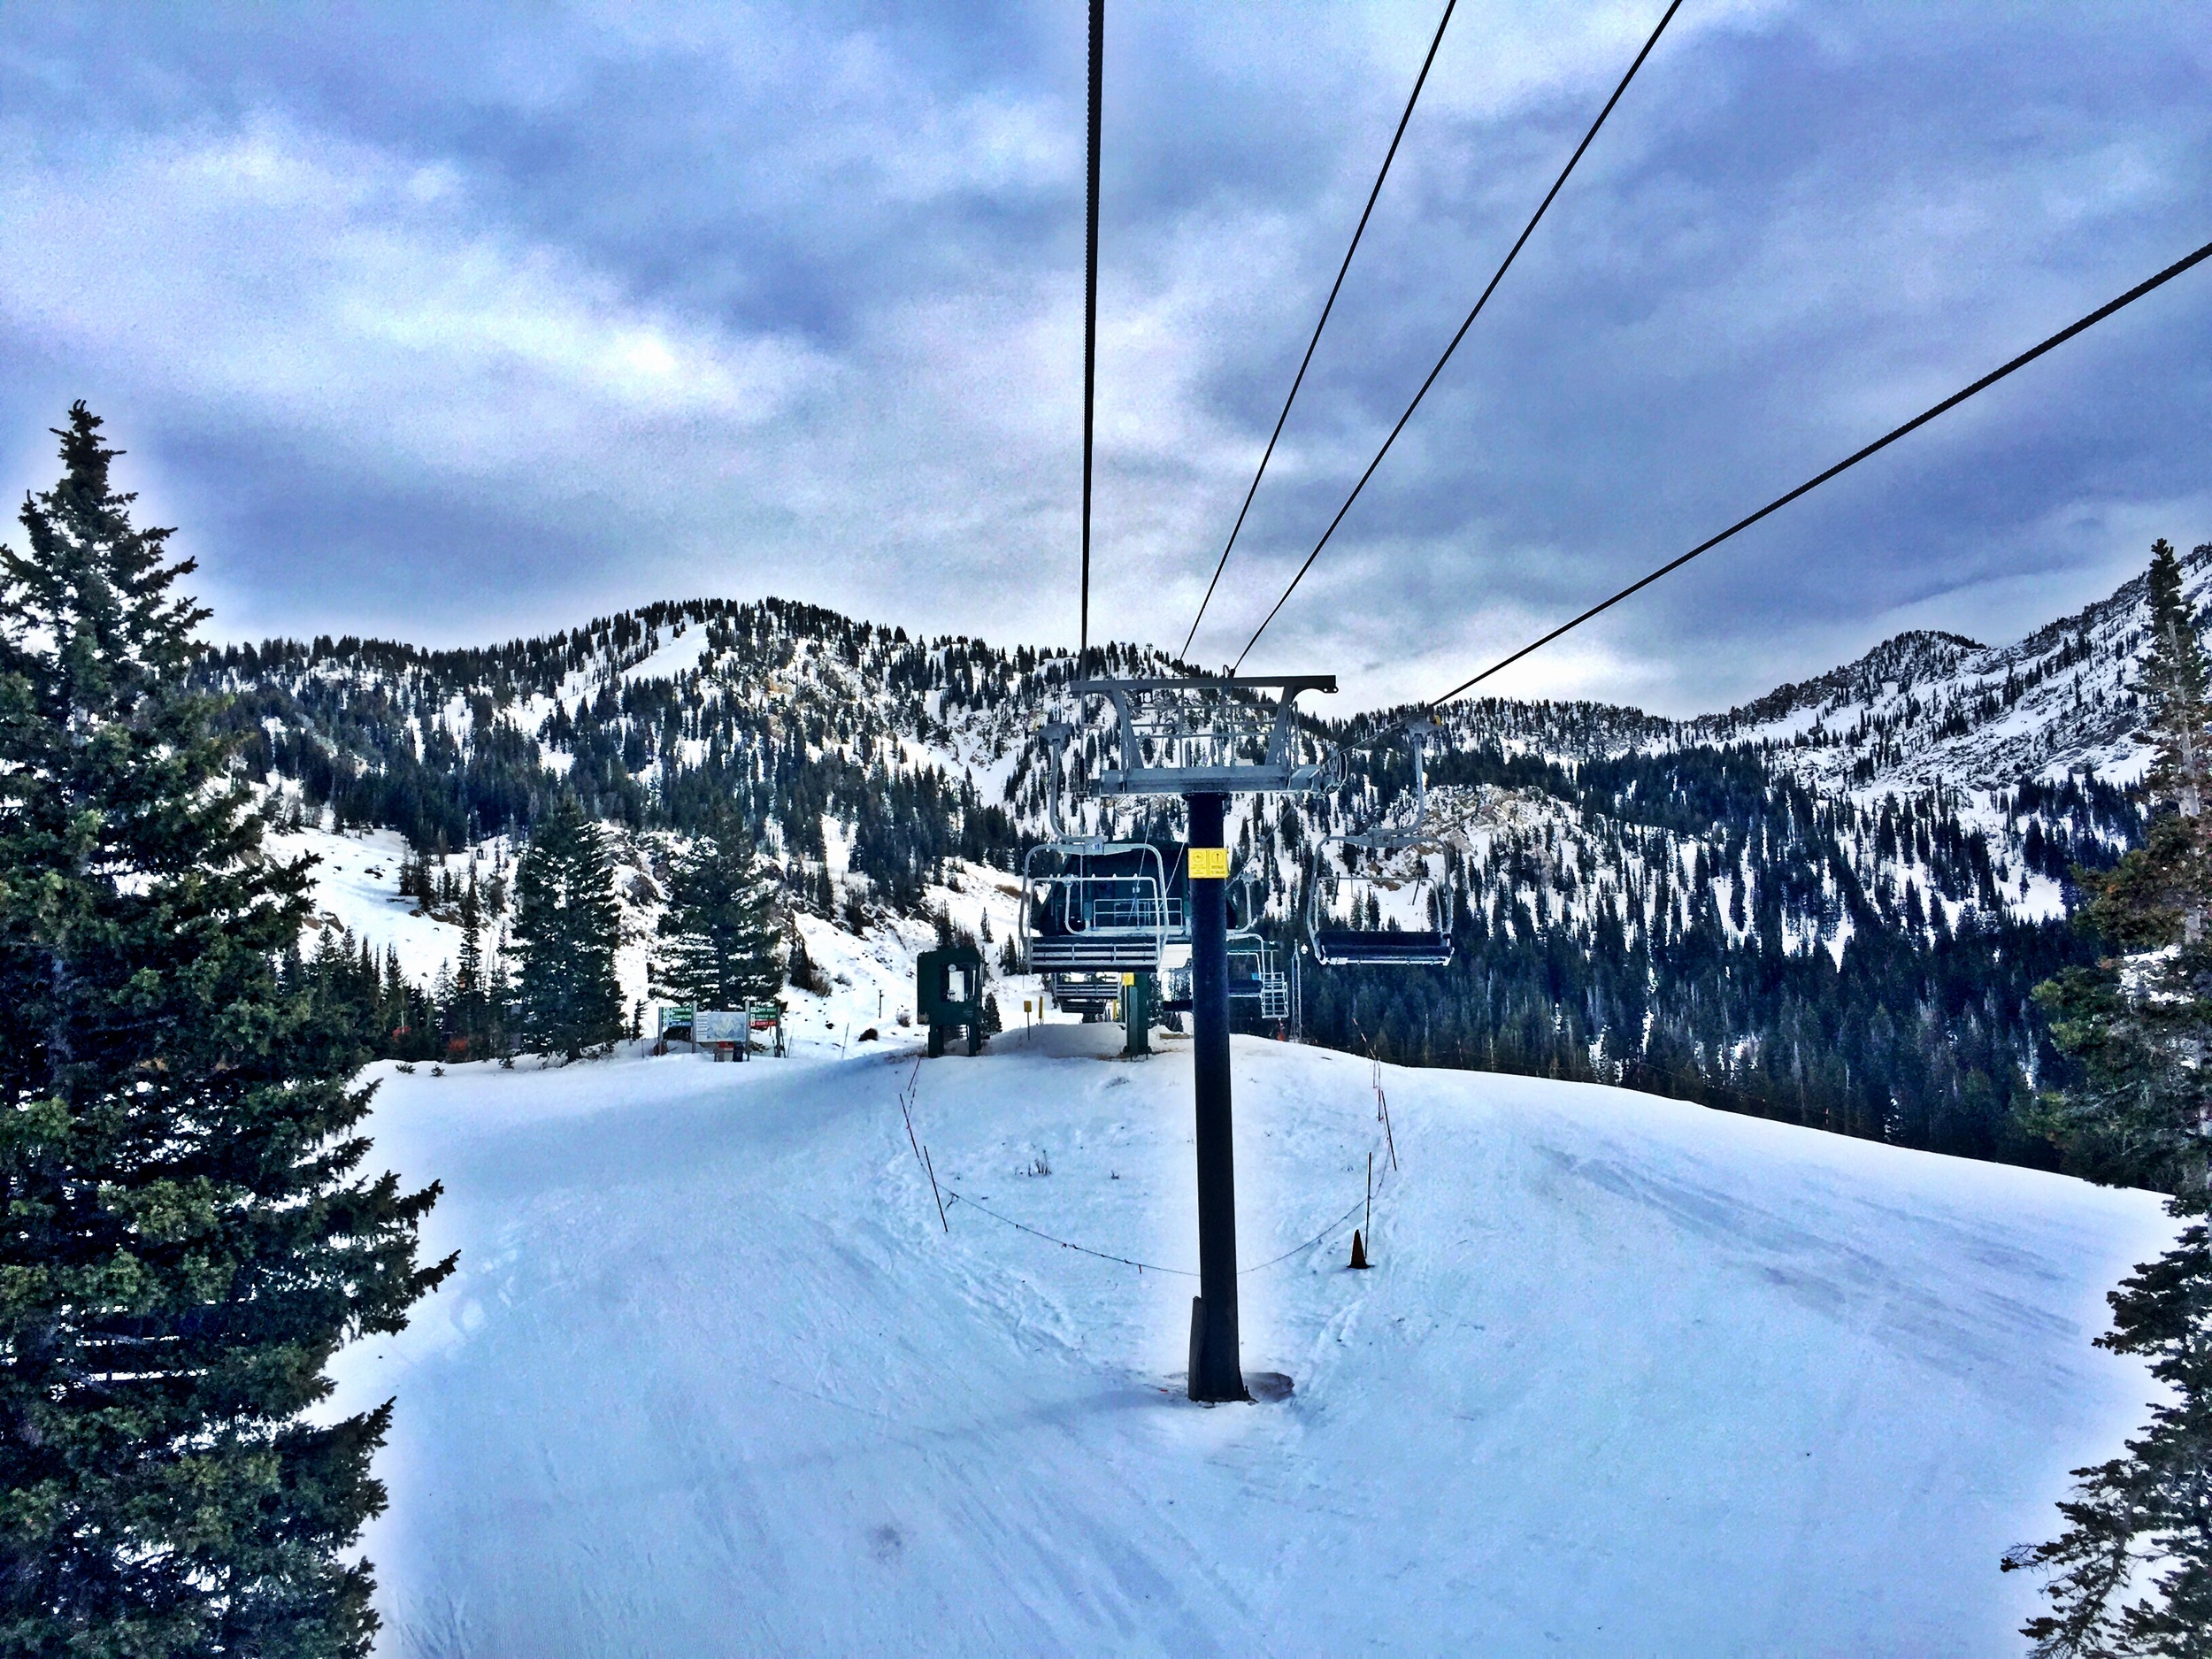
(1527, 231)
(1090, 314)
(1848, 461)
(1299, 379)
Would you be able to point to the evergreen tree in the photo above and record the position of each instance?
(719, 936)
(470, 1014)
(567, 927)
(187, 1238)
(2134, 1567)
(2174, 685)
(2140, 1021)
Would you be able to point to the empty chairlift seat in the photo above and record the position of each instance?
(1337, 946)
(1106, 910)
(1344, 946)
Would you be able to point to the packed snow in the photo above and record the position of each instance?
(678, 655)
(1628, 1376)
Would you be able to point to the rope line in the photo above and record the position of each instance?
(958, 1197)
(1104, 1255)
(1883, 443)
(1299, 379)
(948, 1195)
(1382, 1100)
(1527, 231)
(1090, 311)
(952, 1195)
(1309, 1243)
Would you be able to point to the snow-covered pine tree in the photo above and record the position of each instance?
(567, 928)
(2174, 684)
(2139, 1020)
(719, 938)
(187, 1238)
(2133, 1572)
(470, 1016)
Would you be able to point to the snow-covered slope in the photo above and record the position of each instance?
(356, 892)
(1630, 1377)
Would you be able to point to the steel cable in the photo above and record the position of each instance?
(1527, 231)
(1299, 379)
(1883, 443)
(1090, 312)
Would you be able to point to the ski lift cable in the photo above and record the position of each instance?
(1329, 306)
(1499, 276)
(1848, 461)
(1090, 314)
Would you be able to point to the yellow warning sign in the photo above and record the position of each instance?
(1210, 863)
(1128, 978)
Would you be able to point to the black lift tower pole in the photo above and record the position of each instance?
(1217, 1372)
(1205, 739)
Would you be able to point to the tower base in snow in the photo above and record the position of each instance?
(1216, 1374)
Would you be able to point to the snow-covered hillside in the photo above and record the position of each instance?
(1929, 708)
(867, 978)
(865, 758)
(1630, 1377)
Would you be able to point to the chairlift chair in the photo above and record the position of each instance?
(1254, 973)
(1338, 947)
(1107, 907)
(1089, 995)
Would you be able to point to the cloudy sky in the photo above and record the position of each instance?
(452, 323)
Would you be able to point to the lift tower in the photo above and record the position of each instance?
(1205, 740)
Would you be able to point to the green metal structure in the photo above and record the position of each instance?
(1139, 1001)
(949, 995)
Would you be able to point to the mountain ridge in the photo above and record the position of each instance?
(1830, 904)
(1922, 706)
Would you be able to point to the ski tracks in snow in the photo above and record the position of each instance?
(1627, 1377)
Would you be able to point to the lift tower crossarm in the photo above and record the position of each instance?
(1205, 735)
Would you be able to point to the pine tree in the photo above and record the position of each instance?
(719, 935)
(2139, 1020)
(187, 1238)
(468, 1001)
(2174, 684)
(2134, 1567)
(567, 927)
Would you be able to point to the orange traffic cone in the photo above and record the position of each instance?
(1359, 1250)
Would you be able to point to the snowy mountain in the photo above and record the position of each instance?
(1830, 905)
(645, 697)
(1934, 708)
(1628, 1377)
(814, 719)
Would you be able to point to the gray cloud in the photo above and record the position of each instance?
(451, 322)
